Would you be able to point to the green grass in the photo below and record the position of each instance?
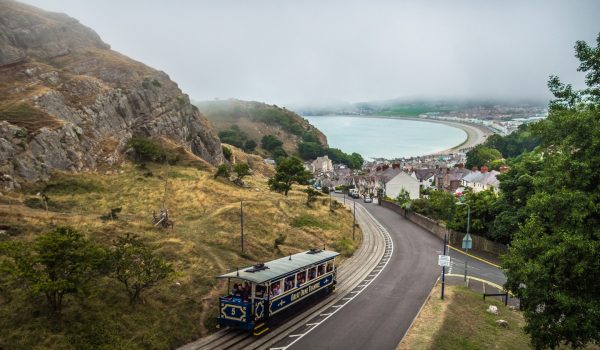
(308, 220)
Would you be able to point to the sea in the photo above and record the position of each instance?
(382, 137)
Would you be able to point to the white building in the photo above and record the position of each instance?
(322, 165)
(402, 181)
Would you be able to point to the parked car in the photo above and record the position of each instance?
(368, 199)
(337, 190)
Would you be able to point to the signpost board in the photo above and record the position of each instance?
(467, 242)
(444, 260)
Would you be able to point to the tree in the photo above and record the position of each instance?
(227, 153)
(241, 170)
(287, 172)
(270, 142)
(136, 266)
(250, 146)
(222, 171)
(310, 150)
(553, 263)
(481, 155)
(311, 195)
(403, 198)
(58, 263)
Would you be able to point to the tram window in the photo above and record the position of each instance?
(312, 273)
(275, 288)
(289, 283)
(260, 291)
(320, 269)
(330, 266)
(300, 278)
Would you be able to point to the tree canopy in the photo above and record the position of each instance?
(554, 260)
(288, 171)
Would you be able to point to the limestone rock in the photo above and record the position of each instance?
(502, 323)
(492, 309)
(71, 103)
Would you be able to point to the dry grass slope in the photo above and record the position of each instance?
(205, 243)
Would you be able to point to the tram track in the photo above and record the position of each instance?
(353, 276)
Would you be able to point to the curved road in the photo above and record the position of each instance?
(379, 317)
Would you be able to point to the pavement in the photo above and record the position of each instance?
(379, 317)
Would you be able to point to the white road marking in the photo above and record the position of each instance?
(388, 241)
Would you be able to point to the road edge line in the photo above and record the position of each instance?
(475, 257)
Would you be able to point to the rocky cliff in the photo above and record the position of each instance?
(68, 102)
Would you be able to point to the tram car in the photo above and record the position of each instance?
(259, 292)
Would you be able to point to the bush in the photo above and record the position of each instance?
(270, 142)
(222, 171)
(146, 149)
(227, 153)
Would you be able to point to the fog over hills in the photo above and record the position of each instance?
(300, 52)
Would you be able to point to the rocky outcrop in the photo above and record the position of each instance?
(68, 102)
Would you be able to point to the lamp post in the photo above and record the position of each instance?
(467, 242)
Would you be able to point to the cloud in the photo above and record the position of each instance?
(299, 51)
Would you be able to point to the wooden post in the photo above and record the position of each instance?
(242, 223)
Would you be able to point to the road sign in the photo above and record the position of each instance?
(444, 260)
(467, 242)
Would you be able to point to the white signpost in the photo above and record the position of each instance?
(444, 260)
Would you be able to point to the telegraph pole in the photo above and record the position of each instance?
(444, 267)
(354, 222)
(242, 223)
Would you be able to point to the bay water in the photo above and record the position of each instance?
(380, 137)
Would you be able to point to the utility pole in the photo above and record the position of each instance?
(444, 267)
(242, 223)
(467, 239)
(354, 222)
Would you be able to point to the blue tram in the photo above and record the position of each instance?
(263, 290)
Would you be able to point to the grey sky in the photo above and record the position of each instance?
(300, 51)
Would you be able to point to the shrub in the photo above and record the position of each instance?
(146, 150)
(227, 153)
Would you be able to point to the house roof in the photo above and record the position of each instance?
(281, 267)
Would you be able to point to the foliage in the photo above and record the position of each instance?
(136, 266)
(438, 206)
(145, 149)
(227, 153)
(310, 150)
(234, 136)
(482, 155)
(516, 187)
(278, 153)
(403, 198)
(311, 195)
(58, 263)
(270, 142)
(241, 170)
(353, 161)
(482, 213)
(288, 171)
(250, 145)
(554, 259)
(514, 144)
(222, 171)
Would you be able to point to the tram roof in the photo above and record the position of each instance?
(280, 267)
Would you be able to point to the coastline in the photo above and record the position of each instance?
(475, 134)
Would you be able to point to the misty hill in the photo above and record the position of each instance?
(69, 102)
(412, 107)
(251, 121)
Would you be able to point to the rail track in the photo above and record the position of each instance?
(353, 276)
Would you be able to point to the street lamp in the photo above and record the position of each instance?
(467, 242)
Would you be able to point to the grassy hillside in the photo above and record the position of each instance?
(257, 119)
(204, 243)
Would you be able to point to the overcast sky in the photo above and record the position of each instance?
(296, 51)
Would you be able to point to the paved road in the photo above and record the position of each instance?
(380, 316)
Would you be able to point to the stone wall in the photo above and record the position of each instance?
(454, 237)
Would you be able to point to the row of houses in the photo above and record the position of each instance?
(390, 179)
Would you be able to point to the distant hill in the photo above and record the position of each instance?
(69, 102)
(239, 122)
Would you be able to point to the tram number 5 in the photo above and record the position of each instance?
(232, 312)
